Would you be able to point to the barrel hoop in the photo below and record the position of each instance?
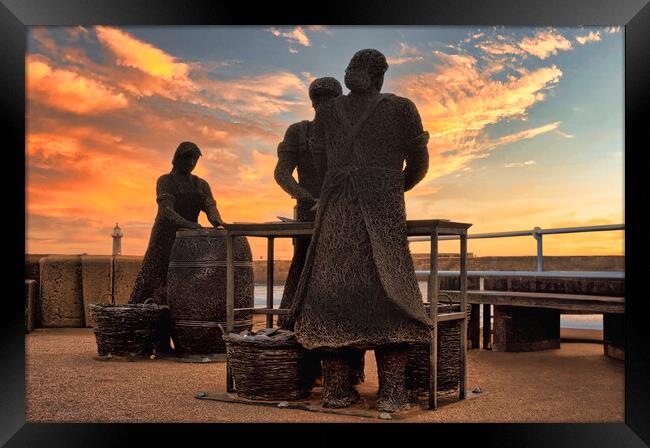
(209, 264)
(207, 323)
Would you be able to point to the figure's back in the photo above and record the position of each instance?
(383, 135)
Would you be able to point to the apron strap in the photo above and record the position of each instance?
(351, 131)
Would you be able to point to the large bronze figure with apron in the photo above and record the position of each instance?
(358, 289)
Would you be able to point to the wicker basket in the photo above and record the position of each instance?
(269, 365)
(131, 330)
(417, 368)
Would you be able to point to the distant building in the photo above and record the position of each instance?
(117, 240)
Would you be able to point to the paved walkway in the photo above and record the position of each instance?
(64, 384)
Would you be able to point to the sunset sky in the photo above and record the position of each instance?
(526, 126)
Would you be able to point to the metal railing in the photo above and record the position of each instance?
(536, 233)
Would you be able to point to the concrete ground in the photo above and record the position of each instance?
(576, 383)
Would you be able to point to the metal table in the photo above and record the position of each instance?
(432, 227)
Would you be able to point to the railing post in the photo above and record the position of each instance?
(230, 304)
(537, 234)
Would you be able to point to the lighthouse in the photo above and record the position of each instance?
(117, 240)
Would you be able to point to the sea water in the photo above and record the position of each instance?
(581, 321)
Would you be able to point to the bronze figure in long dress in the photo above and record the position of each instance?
(181, 196)
(358, 288)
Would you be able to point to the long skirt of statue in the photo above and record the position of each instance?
(344, 303)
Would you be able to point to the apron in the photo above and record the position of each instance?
(363, 188)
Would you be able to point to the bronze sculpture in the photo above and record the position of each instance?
(181, 196)
(294, 154)
(358, 289)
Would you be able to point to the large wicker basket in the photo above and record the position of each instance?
(269, 366)
(131, 330)
(417, 368)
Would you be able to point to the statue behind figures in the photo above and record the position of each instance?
(294, 154)
(358, 289)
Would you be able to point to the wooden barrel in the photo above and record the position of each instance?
(196, 290)
(417, 367)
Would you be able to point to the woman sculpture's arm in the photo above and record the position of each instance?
(210, 206)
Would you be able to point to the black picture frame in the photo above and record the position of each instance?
(634, 15)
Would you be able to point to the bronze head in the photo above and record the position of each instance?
(322, 89)
(185, 158)
(365, 72)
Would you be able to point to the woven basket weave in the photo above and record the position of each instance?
(417, 368)
(129, 330)
(270, 368)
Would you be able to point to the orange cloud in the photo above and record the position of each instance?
(132, 52)
(405, 48)
(69, 91)
(458, 100)
(591, 37)
(404, 60)
(545, 44)
(499, 48)
(542, 45)
(260, 96)
(520, 164)
(528, 133)
(86, 173)
(297, 35)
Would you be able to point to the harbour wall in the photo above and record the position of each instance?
(60, 288)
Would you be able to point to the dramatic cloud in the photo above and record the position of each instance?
(520, 164)
(106, 111)
(297, 35)
(542, 45)
(407, 54)
(545, 44)
(457, 101)
(499, 48)
(108, 167)
(404, 60)
(263, 95)
(528, 133)
(319, 29)
(405, 48)
(69, 91)
(591, 37)
(132, 52)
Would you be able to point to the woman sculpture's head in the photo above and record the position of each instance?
(365, 72)
(185, 158)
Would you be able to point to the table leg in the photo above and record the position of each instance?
(474, 327)
(487, 326)
(269, 281)
(230, 304)
(463, 307)
(432, 297)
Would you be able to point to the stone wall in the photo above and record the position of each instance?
(68, 284)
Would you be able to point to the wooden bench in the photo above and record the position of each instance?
(529, 321)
